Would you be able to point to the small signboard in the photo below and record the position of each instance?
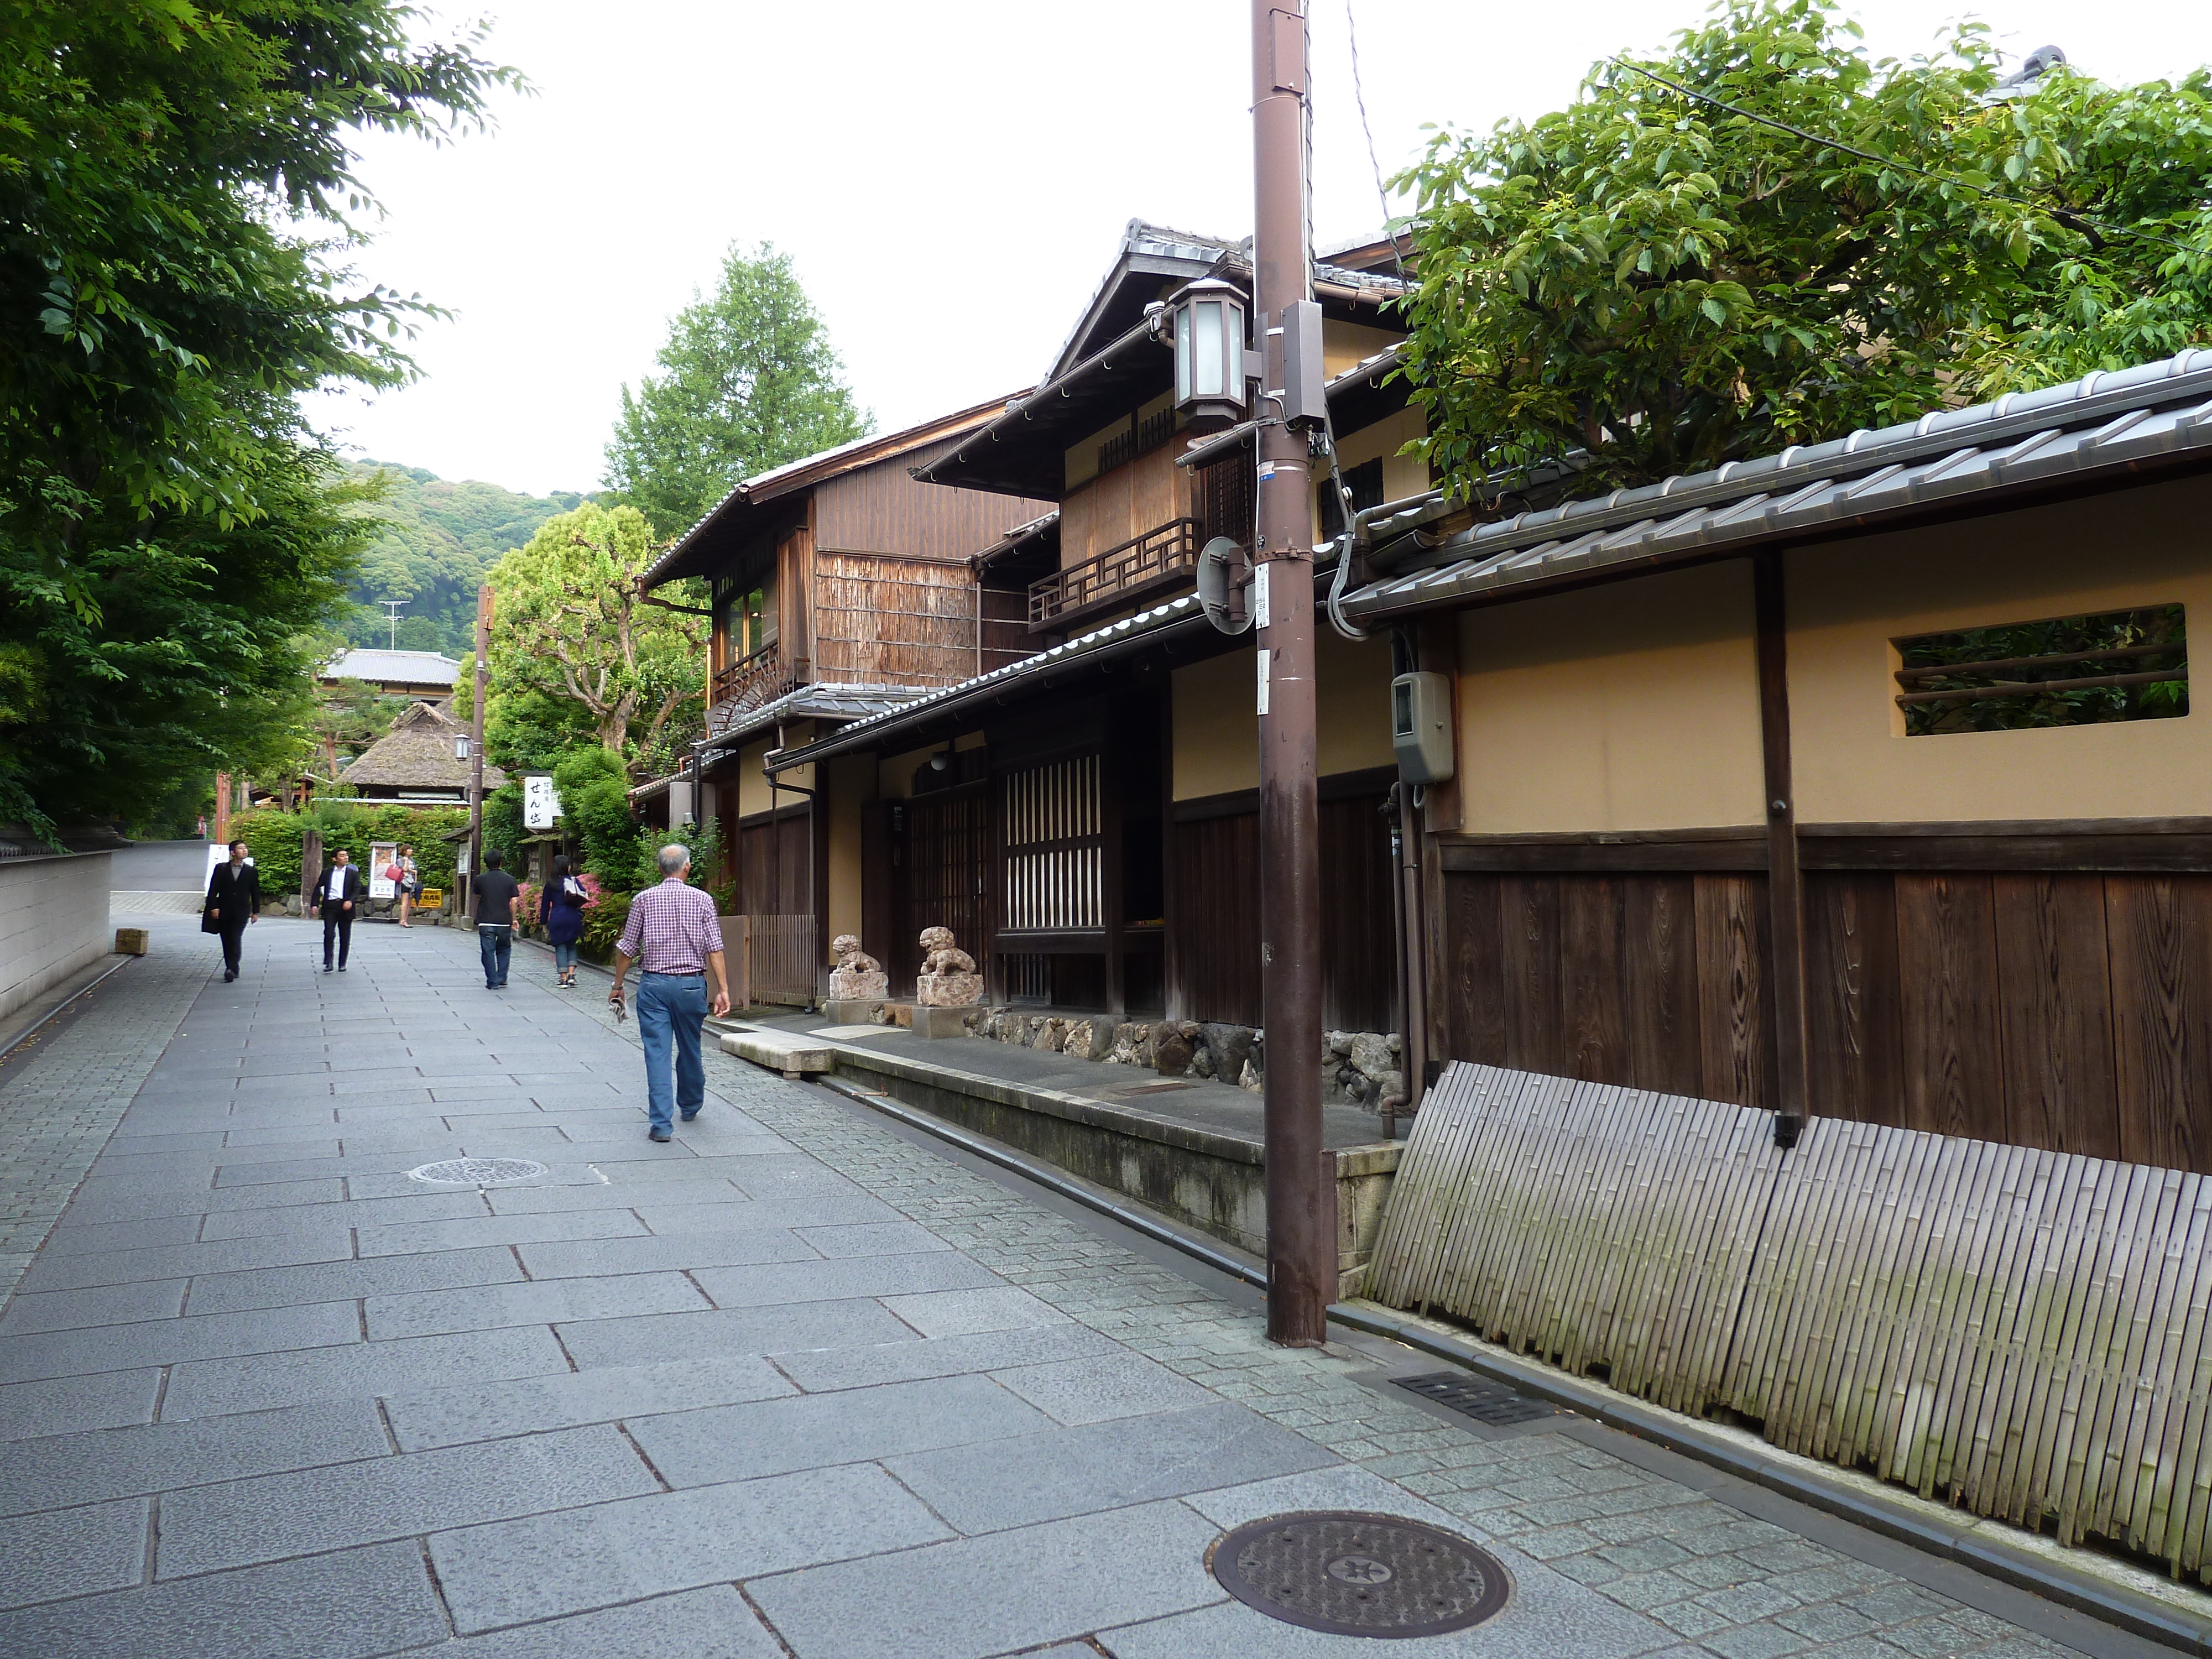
(217, 854)
(541, 806)
(382, 855)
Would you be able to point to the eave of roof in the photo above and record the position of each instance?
(756, 494)
(1156, 626)
(819, 701)
(2081, 434)
(1363, 376)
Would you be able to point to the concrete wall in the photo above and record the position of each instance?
(53, 920)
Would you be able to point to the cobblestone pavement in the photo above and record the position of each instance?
(60, 1101)
(793, 1385)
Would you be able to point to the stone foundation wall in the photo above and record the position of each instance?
(53, 920)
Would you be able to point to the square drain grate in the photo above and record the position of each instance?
(1473, 1396)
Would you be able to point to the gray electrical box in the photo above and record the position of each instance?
(1421, 726)
(1305, 380)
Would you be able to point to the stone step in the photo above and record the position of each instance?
(793, 1053)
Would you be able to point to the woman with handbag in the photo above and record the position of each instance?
(234, 895)
(561, 913)
(407, 879)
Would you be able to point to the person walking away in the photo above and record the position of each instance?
(673, 937)
(338, 890)
(234, 898)
(496, 891)
(411, 882)
(560, 914)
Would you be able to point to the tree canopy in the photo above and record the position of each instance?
(1665, 284)
(748, 381)
(571, 622)
(176, 200)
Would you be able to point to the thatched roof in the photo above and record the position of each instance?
(417, 754)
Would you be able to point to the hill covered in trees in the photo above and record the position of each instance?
(439, 538)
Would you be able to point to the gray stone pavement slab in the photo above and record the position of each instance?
(211, 1387)
(987, 1596)
(101, 1236)
(457, 1416)
(652, 1338)
(966, 1312)
(331, 1242)
(779, 1437)
(305, 1512)
(175, 1341)
(703, 1624)
(306, 1219)
(147, 1207)
(1104, 1466)
(660, 1253)
(895, 1278)
(515, 1571)
(59, 1470)
(70, 1552)
(820, 1370)
(406, 1236)
(1102, 1388)
(63, 1404)
(108, 1304)
(351, 1605)
(434, 1313)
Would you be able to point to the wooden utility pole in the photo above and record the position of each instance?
(476, 745)
(222, 809)
(1302, 1256)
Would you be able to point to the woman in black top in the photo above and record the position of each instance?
(561, 913)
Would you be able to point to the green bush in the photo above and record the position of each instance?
(594, 788)
(276, 839)
(603, 921)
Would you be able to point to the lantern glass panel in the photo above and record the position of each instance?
(1182, 349)
(1207, 355)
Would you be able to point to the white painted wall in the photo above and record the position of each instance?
(53, 920)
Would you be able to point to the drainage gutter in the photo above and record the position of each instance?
(1966, 1540)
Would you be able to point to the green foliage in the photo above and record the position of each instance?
(502, 824)
(603, 922)
(748, 381)
(278, 840)
(346, 718)
(1667, 286)
(569, 621)
(2142, 642)
(702, 841)
(170, 177)
(593, 785)
(434, 541)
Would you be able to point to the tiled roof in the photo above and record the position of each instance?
(2108, 424)
(815, 701)
(413, 667)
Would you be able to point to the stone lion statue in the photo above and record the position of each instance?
(940, 955)
(850, 957)
(858, 976)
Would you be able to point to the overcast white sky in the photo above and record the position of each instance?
(952, 178)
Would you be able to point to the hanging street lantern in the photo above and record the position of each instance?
(1211, 360)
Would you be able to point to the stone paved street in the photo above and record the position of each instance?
(796, 1384)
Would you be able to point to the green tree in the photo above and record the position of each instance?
(569, 619)
(748, 381)
(1665, 285)
(593, 785)
(170, 176)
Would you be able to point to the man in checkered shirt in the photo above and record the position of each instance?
(674, 938)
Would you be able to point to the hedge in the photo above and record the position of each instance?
(276, 839)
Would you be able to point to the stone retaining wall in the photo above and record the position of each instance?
(53, 922)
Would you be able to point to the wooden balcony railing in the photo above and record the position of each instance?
(1162, 555)
(751, 681)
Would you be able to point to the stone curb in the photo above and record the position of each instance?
(1966, 1540)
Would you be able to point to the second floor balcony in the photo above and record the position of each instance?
(1163, 558)
(761, 677)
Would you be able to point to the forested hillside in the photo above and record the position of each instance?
(442, 537)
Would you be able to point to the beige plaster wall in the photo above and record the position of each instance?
(1402, 475)
(1216, 718)
(1343, 345)
(752, 782)
(1848, 601)
(852, 785)
(895, 773)
(1631, 707)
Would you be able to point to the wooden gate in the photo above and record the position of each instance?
(941, 863)
(781, 959)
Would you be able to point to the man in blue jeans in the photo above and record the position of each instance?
(496, 891)
(673, 936)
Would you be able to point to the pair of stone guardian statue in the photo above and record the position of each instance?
(948, 977)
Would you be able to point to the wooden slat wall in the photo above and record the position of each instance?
(1214, 918)
(879, 509)
(2070, 1011)
(1127, 501)
(2020, 1331)
(893, 622)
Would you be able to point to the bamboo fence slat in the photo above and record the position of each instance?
(2026, 1333)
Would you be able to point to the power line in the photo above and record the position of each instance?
(2064, 214)
(1359, 97)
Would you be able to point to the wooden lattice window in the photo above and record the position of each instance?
(2072, 671)
(1056, 849)
(1222, 499)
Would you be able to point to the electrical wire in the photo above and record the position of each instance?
(2067, 216)
(1382, 196)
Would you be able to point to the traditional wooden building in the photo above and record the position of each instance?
(840, 587)
(426, 676)
(1860, 780)
(423, 760)
(1084, 819)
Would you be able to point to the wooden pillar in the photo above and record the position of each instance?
(1110, 904)
(1785, 889)
(222, 809)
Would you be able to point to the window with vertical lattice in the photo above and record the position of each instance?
(1056, 848)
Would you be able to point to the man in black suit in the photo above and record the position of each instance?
(234, 895)
(336, 890)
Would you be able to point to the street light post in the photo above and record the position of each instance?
(476, 744)
(1301, 1194)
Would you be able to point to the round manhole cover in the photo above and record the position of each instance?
(477, 1171)
(1360, 1575)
